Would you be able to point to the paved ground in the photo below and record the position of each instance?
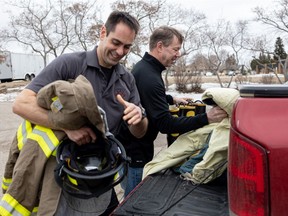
(9, 123)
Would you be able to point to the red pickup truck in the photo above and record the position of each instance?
(256, 181)
(258, 149)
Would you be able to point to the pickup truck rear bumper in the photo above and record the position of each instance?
(166, 193)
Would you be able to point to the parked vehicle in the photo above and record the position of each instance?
(19, 66)
(255, 181)
(208, 73)
(231, 73)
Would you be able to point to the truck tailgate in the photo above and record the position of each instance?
(166, 193)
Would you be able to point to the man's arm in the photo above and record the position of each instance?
(25, 105)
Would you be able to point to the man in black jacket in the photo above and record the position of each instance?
(165, 44)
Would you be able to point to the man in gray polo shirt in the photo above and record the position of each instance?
(115, 91)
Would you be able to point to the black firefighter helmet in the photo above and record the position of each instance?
(90, 170)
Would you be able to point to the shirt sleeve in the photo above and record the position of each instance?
(153, 98)
(169, 99)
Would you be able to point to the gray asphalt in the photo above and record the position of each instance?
(9, 123)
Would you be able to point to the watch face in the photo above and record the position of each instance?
(143, 112)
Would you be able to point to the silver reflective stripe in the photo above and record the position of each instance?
(7, 184)
(9, 208)
(24, 132)
(24, 129)
(46, 138)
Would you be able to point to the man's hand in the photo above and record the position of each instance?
(132, 113)
(177, 100)
(81, 136)
(133, 116)
(216, 114)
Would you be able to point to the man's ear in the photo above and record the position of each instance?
(159, 46)
(103, 32)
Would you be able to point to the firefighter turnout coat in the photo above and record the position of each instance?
(29, 171)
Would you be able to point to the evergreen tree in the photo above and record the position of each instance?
(279, 50)
(253, 64)
(260, 61)
(230, 63)
(264, 59)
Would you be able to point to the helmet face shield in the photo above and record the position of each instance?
(92, 169)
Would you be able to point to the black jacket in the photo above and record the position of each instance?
(147, 73)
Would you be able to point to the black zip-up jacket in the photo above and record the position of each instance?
(147, 73)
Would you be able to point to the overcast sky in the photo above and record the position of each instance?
(214, 9)
(230, 10)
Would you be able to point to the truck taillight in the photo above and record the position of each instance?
(248, 177)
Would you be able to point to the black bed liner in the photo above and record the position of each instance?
(166, 194)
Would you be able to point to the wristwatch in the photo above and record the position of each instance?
(143, 112)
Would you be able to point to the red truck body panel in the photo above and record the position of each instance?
(265, 121)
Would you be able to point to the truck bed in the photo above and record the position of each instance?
(166, 193)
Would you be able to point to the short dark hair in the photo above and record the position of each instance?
(120, 16)
(164, 34)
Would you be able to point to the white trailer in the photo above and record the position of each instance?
(19, 66)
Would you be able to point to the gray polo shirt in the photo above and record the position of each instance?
(69, 66)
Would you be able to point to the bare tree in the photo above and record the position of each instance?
(216, 41)
(237, 39)
(283, 63)
(51, 28)
(191, 24)
(276, 18)
(270, 68)
(156, 13)
(86, 24)
(145, 12)
(187, 78)
(261, 45)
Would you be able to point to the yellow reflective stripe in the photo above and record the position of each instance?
(73, 181)
(35, 210)
(23, 130)
(54, 98)
(6, 183)
(45, 138)
(10, 206)
(54, 153)
(116, 176)
(3, 211)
